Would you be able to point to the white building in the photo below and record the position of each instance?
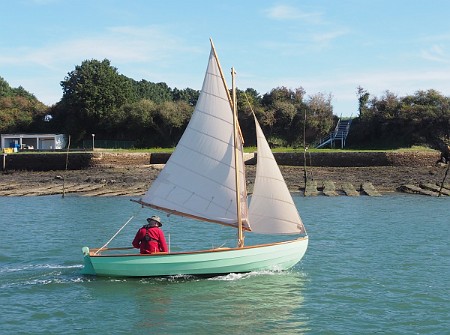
(33, 141)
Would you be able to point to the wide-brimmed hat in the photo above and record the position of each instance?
(156, 219)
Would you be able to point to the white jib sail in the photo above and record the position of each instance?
(271, 210)
(199, 178)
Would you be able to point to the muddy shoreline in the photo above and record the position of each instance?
(134, 180)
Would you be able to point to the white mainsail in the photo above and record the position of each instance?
(272, 209)
(199, 178)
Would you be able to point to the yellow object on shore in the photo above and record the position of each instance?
(8, 150)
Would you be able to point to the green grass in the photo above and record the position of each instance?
(301, 150)
(246, 149)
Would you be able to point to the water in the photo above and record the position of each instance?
(374, 265)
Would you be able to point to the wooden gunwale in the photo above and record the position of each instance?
(92, 251)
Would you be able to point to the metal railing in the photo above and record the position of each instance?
(339, 133)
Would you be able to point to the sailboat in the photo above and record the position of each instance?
(204, 179)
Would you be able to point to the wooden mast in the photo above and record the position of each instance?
(236, 131)
(236, 161)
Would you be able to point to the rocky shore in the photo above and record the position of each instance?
(133, 180)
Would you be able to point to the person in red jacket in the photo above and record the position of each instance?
(150, 238)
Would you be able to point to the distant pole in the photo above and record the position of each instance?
(65, 172)
(443, 180)
(93, 142)
(305, 175)
(4, 162)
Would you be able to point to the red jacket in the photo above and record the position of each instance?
(155, 241)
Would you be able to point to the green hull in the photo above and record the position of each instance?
(277, 256)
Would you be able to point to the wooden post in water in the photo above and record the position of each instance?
(67, 164)
(443, 180)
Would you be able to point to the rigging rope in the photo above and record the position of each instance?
(114, 236)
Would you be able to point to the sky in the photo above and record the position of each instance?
(324, 46)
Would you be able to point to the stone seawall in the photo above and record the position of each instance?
(359, 159)
(79, 161)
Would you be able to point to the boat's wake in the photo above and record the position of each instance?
(188, 278)
(39, 274)
(37, 267)
(243, 276)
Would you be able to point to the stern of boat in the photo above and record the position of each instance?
(88, 267)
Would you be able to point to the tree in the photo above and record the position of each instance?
(173, 118)
(283, 108)
(390, 121)
(188, 95)
(429, 113)
(157, 92)
(319, 119)
(5, 89)
(93, 94)
(363, 99)
(18, 113)
(248, 101)
(19, 109)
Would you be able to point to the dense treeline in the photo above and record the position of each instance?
(391, 121)
(98, 100)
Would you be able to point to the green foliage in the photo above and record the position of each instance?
(320, 118)
(393, 122)
(157, 92)
(363, 98)
(5, 89)
(187, 95)
(20, 111)
(290, 120)
(173, 118)
(98, 100)
(94, 93)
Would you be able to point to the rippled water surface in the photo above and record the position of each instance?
(374, 265)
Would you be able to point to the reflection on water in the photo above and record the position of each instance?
(254, 302)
